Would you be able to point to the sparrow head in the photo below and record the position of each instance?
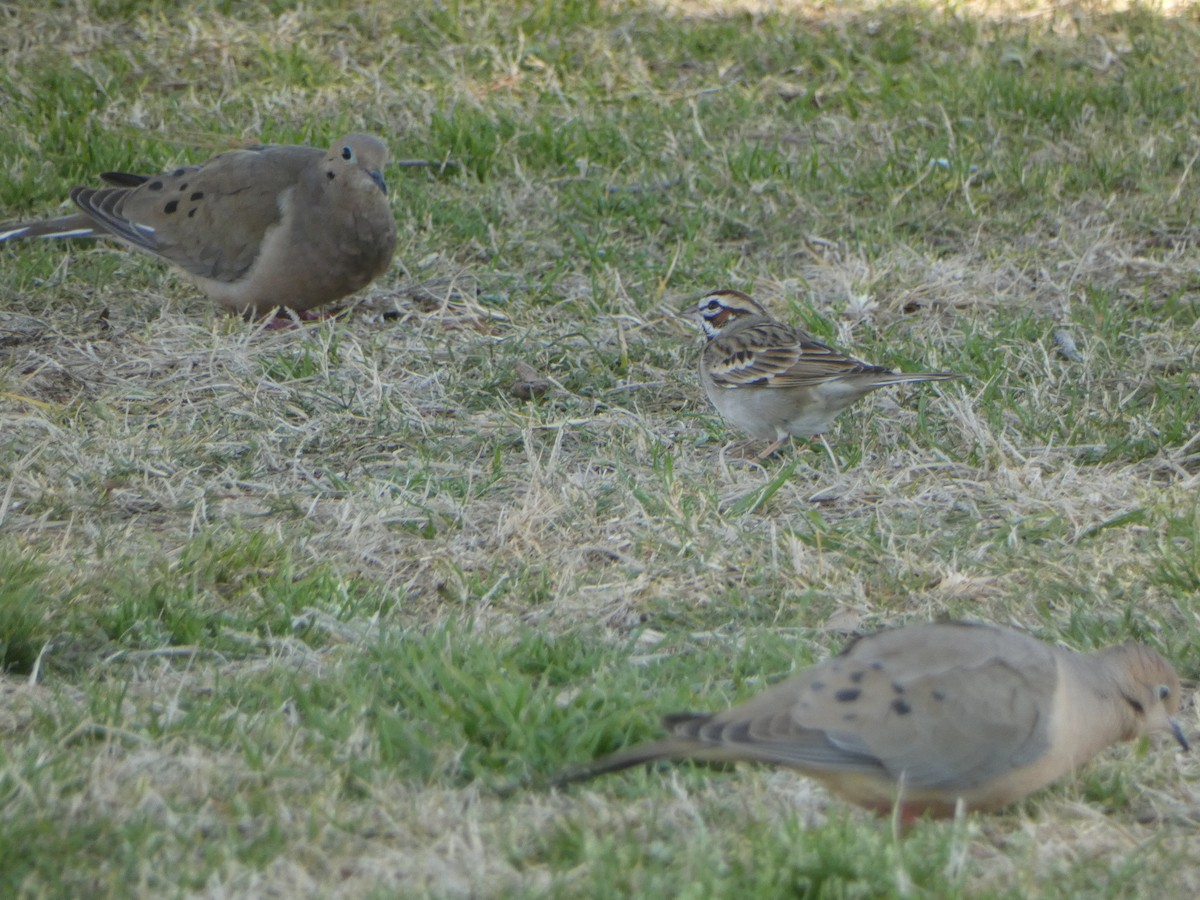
(718, 309)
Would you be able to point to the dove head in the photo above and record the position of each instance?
(1150, 687)
(719, 309)
(362, 152)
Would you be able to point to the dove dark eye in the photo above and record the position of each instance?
(1164, 691)
(347, 153)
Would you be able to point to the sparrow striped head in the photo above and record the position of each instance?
(718, 309)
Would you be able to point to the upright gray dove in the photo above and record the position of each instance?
(265, 227)
(928, 715)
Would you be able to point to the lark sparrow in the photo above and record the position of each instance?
(774, 381)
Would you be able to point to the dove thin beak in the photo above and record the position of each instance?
(1177, 730)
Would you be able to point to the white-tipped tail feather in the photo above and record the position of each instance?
(75, 226)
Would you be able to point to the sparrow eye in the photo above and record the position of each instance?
(347, 154)
(713, 305)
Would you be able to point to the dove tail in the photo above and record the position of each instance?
(76, 226)
(627, 759)
(123, 179)
(683, 745)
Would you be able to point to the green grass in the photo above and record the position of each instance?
(321, 611)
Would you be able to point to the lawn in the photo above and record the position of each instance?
(320, 611)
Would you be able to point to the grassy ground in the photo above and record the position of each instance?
(285, 613)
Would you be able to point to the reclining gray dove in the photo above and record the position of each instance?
(264, 227)
(927, 715)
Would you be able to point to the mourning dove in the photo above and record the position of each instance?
(774, 381)
(928, 715)
(265, 227)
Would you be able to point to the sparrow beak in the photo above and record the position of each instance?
(691, 309)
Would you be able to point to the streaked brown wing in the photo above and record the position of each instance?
(771, 354)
